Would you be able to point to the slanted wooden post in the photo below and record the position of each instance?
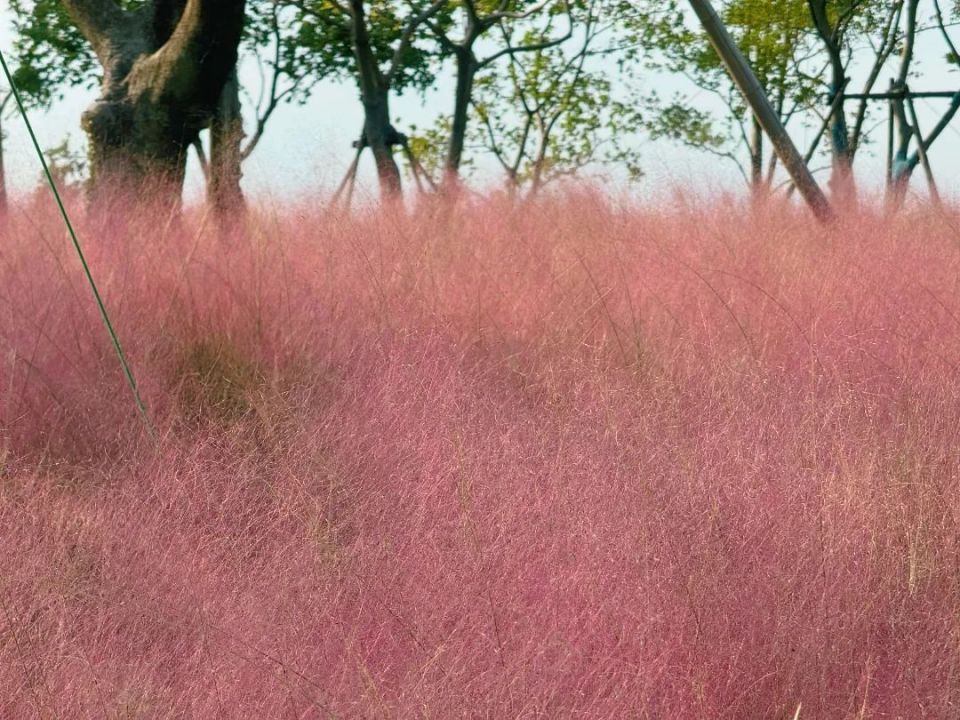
(756, 98)
(931, 182)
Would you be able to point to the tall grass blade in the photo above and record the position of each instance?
(114, 339)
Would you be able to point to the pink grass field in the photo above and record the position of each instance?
(564, 460)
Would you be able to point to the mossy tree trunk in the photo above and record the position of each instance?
(164, 67)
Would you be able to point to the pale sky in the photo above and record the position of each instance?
(306, 149)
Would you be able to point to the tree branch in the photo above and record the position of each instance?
(275, 96)
(943, 31)
(194, 63)
(504, 14)
(102, 22)
(512, 50)
(406, 37)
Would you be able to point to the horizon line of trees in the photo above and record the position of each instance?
(545, 87)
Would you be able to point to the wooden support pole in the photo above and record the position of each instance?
(924, 160)
(756, 98)
(901, 94)
(350, 178)
(891, 119)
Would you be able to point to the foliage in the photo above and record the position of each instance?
(325, 44)
(551, 111)
(51, 54)
(68, 167)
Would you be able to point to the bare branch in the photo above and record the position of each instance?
(533, 47)
(523, 15)
(274, 96)
(512, 50)
(943, 31)
(882, 54)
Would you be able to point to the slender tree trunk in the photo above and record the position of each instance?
(4, 202)
(841, 180)
(902, 167)
(466, 72)
(164, 66)
(757, 180)
(901, 170)
(226, 137)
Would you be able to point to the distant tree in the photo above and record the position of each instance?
(472, 22)
(803, 51)
(68, 168)
(50, 55)
(552, 110)
(840, 26)
(379, 44)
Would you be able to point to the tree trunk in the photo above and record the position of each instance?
(466, 72)
(226, 137)
(4, 203)
(902, 167)
(757, 181)
(164, 66)
(901, 170)
(841, 180)
(378, 133)
(381, 136)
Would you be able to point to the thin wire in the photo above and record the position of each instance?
(128, 374)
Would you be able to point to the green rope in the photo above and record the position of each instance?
(141, 408)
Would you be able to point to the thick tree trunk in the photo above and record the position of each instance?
(164, 66)
(466, 72)
(226, 137)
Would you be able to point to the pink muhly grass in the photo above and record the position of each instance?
(557, 460)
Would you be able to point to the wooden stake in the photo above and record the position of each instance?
(924, 160)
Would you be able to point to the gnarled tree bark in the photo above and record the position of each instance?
(164, 68)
